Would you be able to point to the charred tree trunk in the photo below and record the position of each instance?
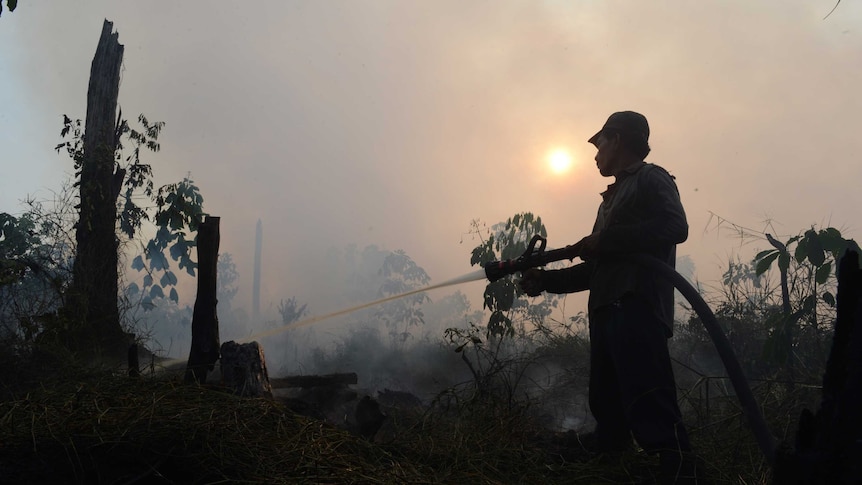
(205, 337)
(92, 300)
(829, 443)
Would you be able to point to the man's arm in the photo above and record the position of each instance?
(568, 280)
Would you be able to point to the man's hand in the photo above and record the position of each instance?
(532, 282)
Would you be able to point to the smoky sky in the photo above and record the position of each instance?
(398, 123)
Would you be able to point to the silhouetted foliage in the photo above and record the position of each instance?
(174, 209)
(503, 241)
(10, 4)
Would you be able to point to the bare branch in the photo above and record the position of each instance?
(833, 9)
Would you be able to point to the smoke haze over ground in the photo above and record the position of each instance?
(396, 124)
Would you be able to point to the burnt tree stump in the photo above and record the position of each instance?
(243, 369)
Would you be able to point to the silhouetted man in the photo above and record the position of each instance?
(632, 387)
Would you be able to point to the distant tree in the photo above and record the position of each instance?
(291, 311)
(402, 275)
(372, 273)
(228, 277)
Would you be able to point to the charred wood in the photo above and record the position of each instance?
(308, 382)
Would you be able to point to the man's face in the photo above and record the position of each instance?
(607, 155)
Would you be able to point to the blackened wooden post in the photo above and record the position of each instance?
(205, 338)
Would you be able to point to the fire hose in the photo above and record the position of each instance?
(537, 256)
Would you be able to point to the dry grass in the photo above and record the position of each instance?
(106, 428)
(119, 430)
(114, 429)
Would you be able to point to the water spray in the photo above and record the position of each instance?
(535, 255)
(471, 276)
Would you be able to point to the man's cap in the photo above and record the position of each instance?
(628, 122)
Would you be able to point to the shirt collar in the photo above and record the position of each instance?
(622, 176)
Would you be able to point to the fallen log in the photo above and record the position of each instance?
(307, 382)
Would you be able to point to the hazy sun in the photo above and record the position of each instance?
(560, 161)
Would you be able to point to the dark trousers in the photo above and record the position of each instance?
(632, 388)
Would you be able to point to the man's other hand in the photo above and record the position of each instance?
(532, 282)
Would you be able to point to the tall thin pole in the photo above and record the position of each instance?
(258, 245)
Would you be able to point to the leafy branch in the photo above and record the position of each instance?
(178, 207)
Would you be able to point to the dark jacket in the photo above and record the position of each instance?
(640, 212)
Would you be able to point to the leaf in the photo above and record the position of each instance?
(829, 299)
(499, 324)
(164, 236)
(168, 279)
(822, 273)
(138, 263)
(156, 292)
(764, 263)
(763, 253)
(148, 280)
(801, 250)
(189, 265)
(158, 261)
(179, 248)
(815, 248)
(174, 296)
(133, 289)
(832, 240)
